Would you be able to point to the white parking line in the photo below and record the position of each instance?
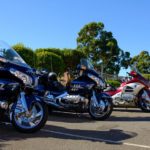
(95, 139)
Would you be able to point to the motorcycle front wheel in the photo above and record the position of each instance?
(32, 121)
(102, 111)
(143, 103)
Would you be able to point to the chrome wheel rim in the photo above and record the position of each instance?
(31, 119)
(101, 109)
(145, 105)
(144, 102)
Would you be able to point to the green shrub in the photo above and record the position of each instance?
(52, 50)
(50, 61)
(72, 57)
(114, 83)
(147, 76)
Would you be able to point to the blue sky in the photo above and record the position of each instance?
(56, 23)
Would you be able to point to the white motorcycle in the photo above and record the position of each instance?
(134, 92)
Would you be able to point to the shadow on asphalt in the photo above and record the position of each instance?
(2, 145)
(83, 118)
(70, 117)
(129, 119)
(9, 134)
(136, 110)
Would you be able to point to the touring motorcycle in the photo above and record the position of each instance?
(133, 92)
(83, 94)
(18, 105)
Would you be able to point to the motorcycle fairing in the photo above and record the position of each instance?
(30, 99)
(81, 85)
(8, 88)
(133, 88)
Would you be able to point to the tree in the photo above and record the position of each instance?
(72, 58)
(26, 53)
(102, 47)
(50, 61)
(142, 62)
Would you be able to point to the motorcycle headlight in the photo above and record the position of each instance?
(27, 80)
(98, 81)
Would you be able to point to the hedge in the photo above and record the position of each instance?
(52, 50)
(114, 83)
(50, 61)
(147, 76)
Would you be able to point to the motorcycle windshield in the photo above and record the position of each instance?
(141, 77)
(87, 64)
(134, 68)
(11, 55)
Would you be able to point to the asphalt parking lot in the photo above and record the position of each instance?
(125, 129)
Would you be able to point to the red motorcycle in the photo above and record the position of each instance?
(133, 92)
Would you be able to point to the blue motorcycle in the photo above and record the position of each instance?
(18, 104)
(83, 94)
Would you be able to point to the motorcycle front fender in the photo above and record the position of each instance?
(30, 99)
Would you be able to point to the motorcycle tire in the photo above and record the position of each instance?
(36, 127)
(106, 113)
(142, 103)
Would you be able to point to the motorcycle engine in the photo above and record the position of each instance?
(124, 99)
(73, 99)
(128, 97)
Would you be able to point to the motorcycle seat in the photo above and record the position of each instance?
(56, 86)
